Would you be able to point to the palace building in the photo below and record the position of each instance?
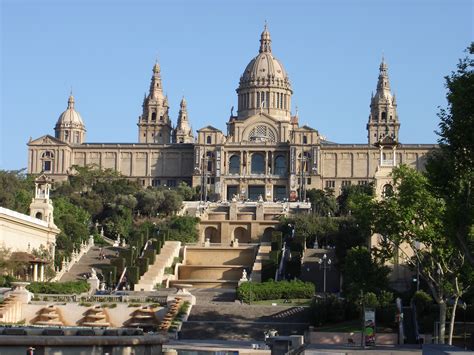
(264, 154)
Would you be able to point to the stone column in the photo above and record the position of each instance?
(42, 273)
(35, 272)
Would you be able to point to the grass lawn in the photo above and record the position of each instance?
(283, 302)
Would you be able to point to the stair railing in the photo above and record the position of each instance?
(279, 271)
(120, 280)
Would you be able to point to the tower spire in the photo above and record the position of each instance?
(383, 119)
(154, 123)
(265, 40)
(183, 132)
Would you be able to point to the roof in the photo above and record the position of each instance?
(209, 128)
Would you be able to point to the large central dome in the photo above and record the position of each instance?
(264, 85)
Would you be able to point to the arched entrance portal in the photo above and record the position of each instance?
(242, 235)
(213, 234)
(267, 234)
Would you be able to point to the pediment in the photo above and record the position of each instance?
(46, 140)
(209, 128)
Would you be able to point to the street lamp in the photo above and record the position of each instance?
(325, 264)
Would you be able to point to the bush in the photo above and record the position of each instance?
(59, 288)
(422, 302)
(271, 290)
(370, 300)
(328, 310)
(133, 275)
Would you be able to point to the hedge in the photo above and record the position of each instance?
(133, 275)
(142, 266)
(271, 290)
(59, 288)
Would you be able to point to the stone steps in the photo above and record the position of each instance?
(88, 261)
(218, 319)
(155, 272)
(237, 331)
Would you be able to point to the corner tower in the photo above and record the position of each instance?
(154, 125)
(383, 119)
(41, 206)
(264, 86)
(183, 132)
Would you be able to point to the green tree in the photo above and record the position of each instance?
(411, 225)
(351, 193)
(451, 168)
(362, 272)
(17, 190)
(172, 202)
(185, 191)
(323, 202)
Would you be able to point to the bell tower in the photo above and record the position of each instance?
(154, 125)
(183, 132)
(41, 206)
(383, 119)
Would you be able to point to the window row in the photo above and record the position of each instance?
(264, 99)
(257, 164)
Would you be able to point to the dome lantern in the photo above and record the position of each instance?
(264, 85)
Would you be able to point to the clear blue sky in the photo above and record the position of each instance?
(105, 50)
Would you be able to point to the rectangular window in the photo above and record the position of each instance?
(308, 182)
(362, 182)
(155, 182)
(171, 183)
(346, 183)
(330, 184)
(47, 165)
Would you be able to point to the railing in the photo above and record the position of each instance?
(161, 299)
(76, 255)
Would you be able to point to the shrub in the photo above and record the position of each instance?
(328, 310)
(58, 288)
(133, 275)
(385, 298)
(422, 302)
(370, 300)
(250, 291)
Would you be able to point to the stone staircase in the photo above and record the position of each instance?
(155, 272)
(88, 261)
(311, 271)
(262, 255)
(233, 321)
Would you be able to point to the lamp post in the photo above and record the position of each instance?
(325, 264)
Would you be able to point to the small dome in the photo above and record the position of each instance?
(70, 117)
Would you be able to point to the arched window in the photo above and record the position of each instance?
(76, 139)
(66, 135)
(153, 116)
(39, 215)
(280, 165)
(387, 190)
(258, 164)
(384, 116)
(234, 164)
(208, 140)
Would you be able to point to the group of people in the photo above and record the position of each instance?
(102, 255)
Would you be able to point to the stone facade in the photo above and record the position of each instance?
(265, 152)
